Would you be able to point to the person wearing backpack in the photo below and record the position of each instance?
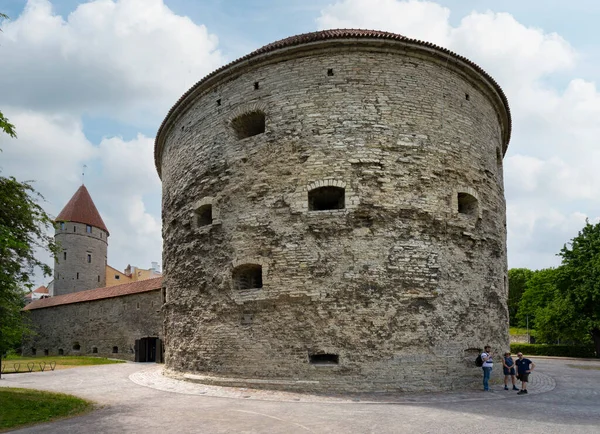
(487, 366)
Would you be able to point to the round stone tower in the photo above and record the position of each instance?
(334, 217)
(83, 240)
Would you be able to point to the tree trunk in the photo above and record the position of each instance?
(596, 338)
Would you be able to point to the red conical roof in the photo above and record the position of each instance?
(81, 209)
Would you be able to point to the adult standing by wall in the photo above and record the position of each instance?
(488, 365)
(524, 368)
(508, 366)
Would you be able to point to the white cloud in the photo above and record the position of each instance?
(120, 176)
(123, 59)
(50, 149)
(550, 173)
(127, 60)
(415, 19)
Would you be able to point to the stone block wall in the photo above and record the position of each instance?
(398, 289)
(74, 273)
(101, 324)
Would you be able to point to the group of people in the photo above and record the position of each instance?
(523, 369)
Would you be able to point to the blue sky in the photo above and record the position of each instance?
(89, 83)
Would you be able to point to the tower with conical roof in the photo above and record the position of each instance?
(83, 239)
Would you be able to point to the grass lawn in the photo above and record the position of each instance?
(20, 407)
(520, 331)
(22, 364)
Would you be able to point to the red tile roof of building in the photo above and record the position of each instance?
(322, 35)
(41, 290)
(98, 294)
(81, 209)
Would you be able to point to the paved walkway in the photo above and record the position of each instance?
(152, 377)
(163, 405)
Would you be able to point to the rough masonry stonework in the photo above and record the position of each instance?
(81, 323)
(334, 217)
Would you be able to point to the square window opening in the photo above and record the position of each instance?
(467, 204)
(249, 124)
(204, 215)
(324, 359)
(326, 198)
(247, 276)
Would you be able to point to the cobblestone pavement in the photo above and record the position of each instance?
(165, 405)
(152, 377)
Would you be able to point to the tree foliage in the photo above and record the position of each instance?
(579, 280)
(23, 230)
(517, 279)
(540, 290)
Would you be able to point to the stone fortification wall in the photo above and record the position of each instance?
(100, 324)
(81, 262)
(394, 287)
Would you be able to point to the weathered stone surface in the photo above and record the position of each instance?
(399, 284)
(103, 324)
(74, 273)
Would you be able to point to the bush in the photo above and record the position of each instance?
(553, 350)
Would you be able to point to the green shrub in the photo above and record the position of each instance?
(553, 350)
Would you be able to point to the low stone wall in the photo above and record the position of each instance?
(520, 339)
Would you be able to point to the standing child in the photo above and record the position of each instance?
(508, 366)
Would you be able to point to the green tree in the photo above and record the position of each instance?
(23, 230)
(579, 280)
(517, 279)
(540, 290)
(6, 126)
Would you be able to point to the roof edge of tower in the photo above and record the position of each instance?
(81, 209)
(325, 36)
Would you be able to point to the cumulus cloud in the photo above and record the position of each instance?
(120, 175)
(50, 149)
(121, 59)
(126, 60)
(550, 177)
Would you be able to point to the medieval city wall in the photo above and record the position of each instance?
(397, 289)
(103, 325)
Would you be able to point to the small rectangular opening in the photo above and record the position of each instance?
(324, 359)
(330, 72)
(256, 85)
(219, 101)
(467, 97)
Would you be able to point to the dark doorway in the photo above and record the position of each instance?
(146, 350)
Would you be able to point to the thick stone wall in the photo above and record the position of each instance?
(74, 273)
(399, 284)
(102, 324)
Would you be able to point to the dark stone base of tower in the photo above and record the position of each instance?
(334, 217)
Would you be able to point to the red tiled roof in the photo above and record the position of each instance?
(321, 36)
(41, 290)
(81, 209)
(98, 294)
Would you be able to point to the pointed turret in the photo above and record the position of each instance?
(83, 239)
(81, 209)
